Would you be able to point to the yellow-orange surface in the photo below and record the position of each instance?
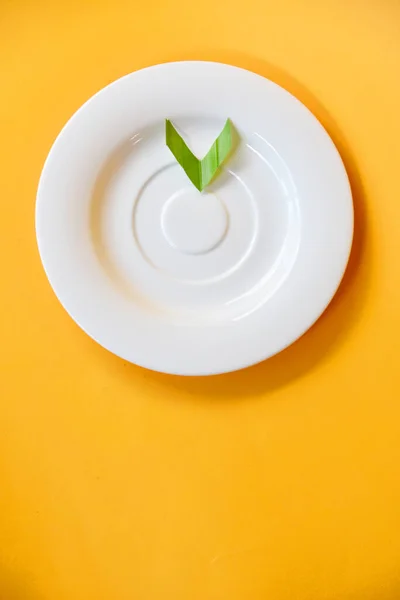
(281, 482)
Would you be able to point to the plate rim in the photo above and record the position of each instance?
(190, 372)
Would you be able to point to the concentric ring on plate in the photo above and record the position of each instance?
(179, 281)
(243, 233)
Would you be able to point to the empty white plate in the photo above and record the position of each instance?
(181, 281)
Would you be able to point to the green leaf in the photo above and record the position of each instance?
(200, 172)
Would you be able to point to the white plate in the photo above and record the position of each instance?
(179, 281)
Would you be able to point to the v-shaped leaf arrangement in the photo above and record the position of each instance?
(200, 172)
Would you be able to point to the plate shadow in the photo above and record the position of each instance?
(337, 324)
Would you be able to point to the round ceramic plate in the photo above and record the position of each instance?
(178, 280)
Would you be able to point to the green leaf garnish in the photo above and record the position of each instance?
(200, 172)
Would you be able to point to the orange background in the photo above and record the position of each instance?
(279, 482)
